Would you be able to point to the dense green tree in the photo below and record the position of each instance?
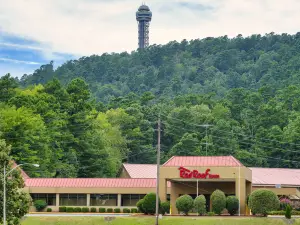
(17, 204)
(7, 87)
(26, 132)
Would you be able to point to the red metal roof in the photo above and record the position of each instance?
(229, 161)
(141, 170)
(272, 176)
(91, 183)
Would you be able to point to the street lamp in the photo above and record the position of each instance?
(4, 186)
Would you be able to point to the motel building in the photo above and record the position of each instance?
(193, 175)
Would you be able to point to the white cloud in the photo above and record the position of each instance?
(85, 27)
(19, 61)
(19, 46)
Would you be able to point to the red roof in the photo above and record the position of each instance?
(141, 170)
(91, 182)
(272, 176)
(226, 161)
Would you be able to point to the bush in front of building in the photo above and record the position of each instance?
(77, 209)
(85, 209)
(102, 210)
(262, 201)
(93, 210)
(282, 213)
(49, 210)
(40, 205)
(140, 206)
(70, 209)
(117, 210)
(149, 204)
(218, 201)
(184, 204)
(133, 210)
(165, 208)
(232, 205)
(109, 210)
(126, 210)
(200, 205)
(211, 214)
(62, 209)
(288, 211)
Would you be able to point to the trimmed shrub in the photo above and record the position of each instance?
(125, 210)
(93, 210)
(232, 205)
(211, 214)
(149, 204)
(184, 204)
(49, 210)
(218, 201)
(117, 210)
(40, 205)
(133, 210)
(62, 209)
(262, 201)
(109, 210)
(288, 211)
(70, 209)
(165, 208)
(77, 209)
(282, 212)
(102, 210)
(140, 205)
(200, 205)
(85, 209)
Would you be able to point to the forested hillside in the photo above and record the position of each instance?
(103, 110)
(198, 66)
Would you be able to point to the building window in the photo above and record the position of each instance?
(131, 199)
(72, 200)
(168, 197)
(50, 199)
(104, 199)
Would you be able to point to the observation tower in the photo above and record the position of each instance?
(143, 17)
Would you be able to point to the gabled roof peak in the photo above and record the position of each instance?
(222, 161)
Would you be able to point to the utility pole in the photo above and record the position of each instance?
(4, 195)
(158, 167)
(206, 143)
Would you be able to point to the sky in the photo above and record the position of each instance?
(34, 32)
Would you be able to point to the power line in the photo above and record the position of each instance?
(199, 125)
(157, 172)
(195, 124)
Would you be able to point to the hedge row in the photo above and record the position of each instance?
(282, 212)
(100, 210)
(185, 203)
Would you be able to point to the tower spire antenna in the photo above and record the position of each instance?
(143, 17)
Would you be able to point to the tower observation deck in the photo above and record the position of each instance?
(143, 16)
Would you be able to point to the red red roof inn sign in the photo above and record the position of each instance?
(185, 173)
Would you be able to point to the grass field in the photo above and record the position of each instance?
(150, 221)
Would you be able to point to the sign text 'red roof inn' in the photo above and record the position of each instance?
(185, 173)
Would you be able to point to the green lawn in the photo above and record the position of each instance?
(150, 221)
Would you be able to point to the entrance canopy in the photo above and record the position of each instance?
(199, 161)
(212, 168)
